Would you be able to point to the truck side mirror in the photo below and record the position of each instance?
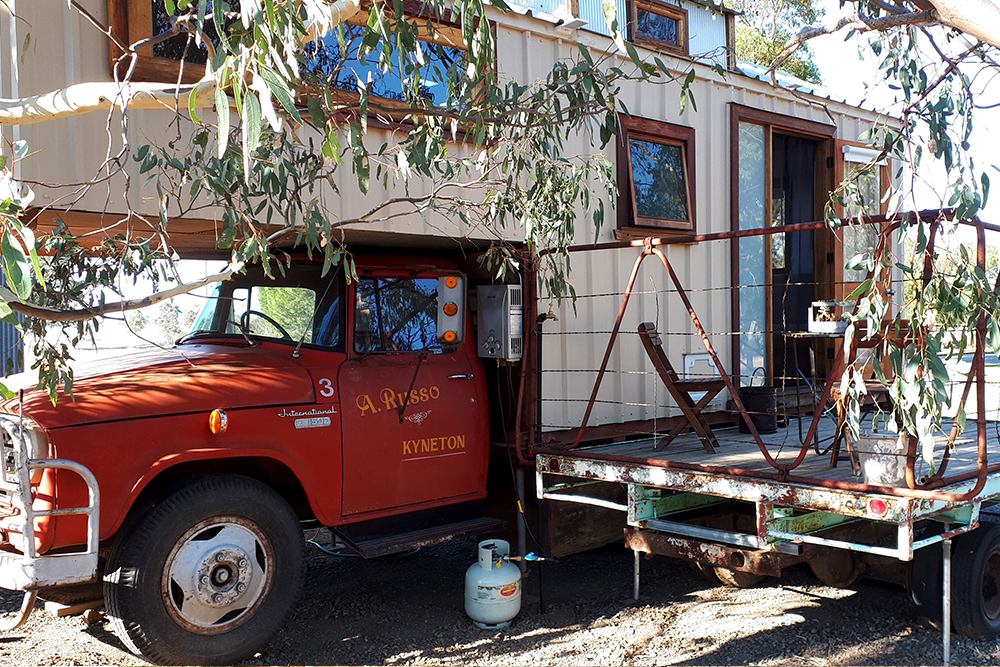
(451, 310)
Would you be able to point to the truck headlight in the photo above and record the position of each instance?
(37, 445)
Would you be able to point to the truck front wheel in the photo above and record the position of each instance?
(205, 574)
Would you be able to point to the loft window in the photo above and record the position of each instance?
(439, 57)
(183, 46)
(656, 175)
(134, 20)
(659, 26)
(441, 51)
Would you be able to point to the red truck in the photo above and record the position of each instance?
(182, 476)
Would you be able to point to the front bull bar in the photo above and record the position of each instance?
(27, 570)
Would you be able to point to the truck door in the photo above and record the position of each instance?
(415, 430)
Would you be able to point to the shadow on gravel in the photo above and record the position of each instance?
(407, 610)
(411, 610)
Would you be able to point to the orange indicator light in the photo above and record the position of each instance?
(218, 422)
(450, 336)
(451, 309)
(451, 282)
(877, 506)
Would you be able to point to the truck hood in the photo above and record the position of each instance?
(191, 378)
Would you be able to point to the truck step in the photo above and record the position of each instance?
(373, 546)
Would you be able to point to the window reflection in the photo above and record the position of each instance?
(343, 67)
(395, 314)
(658, 176)
(864, 195)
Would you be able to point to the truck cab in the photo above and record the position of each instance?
(351, 397)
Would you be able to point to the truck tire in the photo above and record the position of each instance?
(975, 599)
(206, 573)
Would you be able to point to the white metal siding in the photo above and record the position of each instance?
(73, 150)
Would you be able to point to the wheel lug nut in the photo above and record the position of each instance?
(243, 562)
(217, 597)
(241, 587)
(204, 580)
(219, 557)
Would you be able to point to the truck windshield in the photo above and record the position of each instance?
(296, 307)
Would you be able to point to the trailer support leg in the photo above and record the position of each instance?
(946, 600)
(635, 575)
(522, 538)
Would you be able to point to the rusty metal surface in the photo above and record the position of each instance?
(767, 563)
(901, 505)
(933, 488)
(785, 507)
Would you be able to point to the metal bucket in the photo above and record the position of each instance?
(882, 457)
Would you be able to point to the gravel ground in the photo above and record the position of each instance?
(409, 610)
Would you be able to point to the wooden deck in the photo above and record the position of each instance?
(738, 450)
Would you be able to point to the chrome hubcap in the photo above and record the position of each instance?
(216, 575)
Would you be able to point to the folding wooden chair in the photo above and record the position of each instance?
(681, 391)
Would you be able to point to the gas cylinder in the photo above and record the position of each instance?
(492, 587)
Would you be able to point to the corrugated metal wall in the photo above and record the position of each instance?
(11, 35)
(72, 150)
(575, 344)
(592, 11)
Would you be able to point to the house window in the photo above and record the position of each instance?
(441, 55)
(860, 239)
(134, 20)
(656, 177)
(181, 47)
(868, 177)
(659, 26)
(440, 52)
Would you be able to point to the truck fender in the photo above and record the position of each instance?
(212, 460)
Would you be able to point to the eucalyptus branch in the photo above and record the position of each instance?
(97, 24)
(857, 21)
(88, 313)
(889, 7)
(102, 95)
(952, 66)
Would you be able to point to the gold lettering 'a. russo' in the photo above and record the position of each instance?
(392, 400)
(439, 446)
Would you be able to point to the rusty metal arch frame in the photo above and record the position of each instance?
(650, 246)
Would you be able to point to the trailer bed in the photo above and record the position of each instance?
(812, 504)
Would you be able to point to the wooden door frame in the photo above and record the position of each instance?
(825, 135)
(839, 171)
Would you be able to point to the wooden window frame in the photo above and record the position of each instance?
(132, 21)
(446, 33)
(666, 10)
(630, 225)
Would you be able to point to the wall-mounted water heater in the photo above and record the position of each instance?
(501, 322)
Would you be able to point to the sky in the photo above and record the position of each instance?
(845, 74)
